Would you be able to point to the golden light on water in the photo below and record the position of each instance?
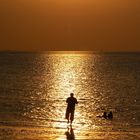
(68, 74)
(33, 102)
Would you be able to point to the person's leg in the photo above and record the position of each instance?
(72, 116)
(67, 115)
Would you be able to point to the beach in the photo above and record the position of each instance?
(43, 133)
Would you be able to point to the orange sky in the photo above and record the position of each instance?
(98, 25)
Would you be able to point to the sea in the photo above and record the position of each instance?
(34, 87)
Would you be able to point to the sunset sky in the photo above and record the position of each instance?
(42, 25)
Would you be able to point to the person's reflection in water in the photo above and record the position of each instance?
(70, 134)
(71, 101)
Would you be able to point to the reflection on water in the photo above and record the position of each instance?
(70, 134)
(34, 88)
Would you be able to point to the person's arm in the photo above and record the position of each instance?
(76, 101)
(67, 100)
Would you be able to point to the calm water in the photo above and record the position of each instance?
(34, 87)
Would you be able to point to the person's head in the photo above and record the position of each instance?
(105, 113)
(110, 112)
(71, 94)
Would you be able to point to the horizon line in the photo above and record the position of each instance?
(66, 52)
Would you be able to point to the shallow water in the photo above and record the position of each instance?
(34, 87)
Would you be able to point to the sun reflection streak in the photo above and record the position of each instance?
(69, 74)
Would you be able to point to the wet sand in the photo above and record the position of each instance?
(65, 133)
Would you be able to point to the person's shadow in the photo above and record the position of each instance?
(70, 134)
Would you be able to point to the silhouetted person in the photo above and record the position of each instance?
(70, 108)
(105, 115)
(70, 134)
(110, 115)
